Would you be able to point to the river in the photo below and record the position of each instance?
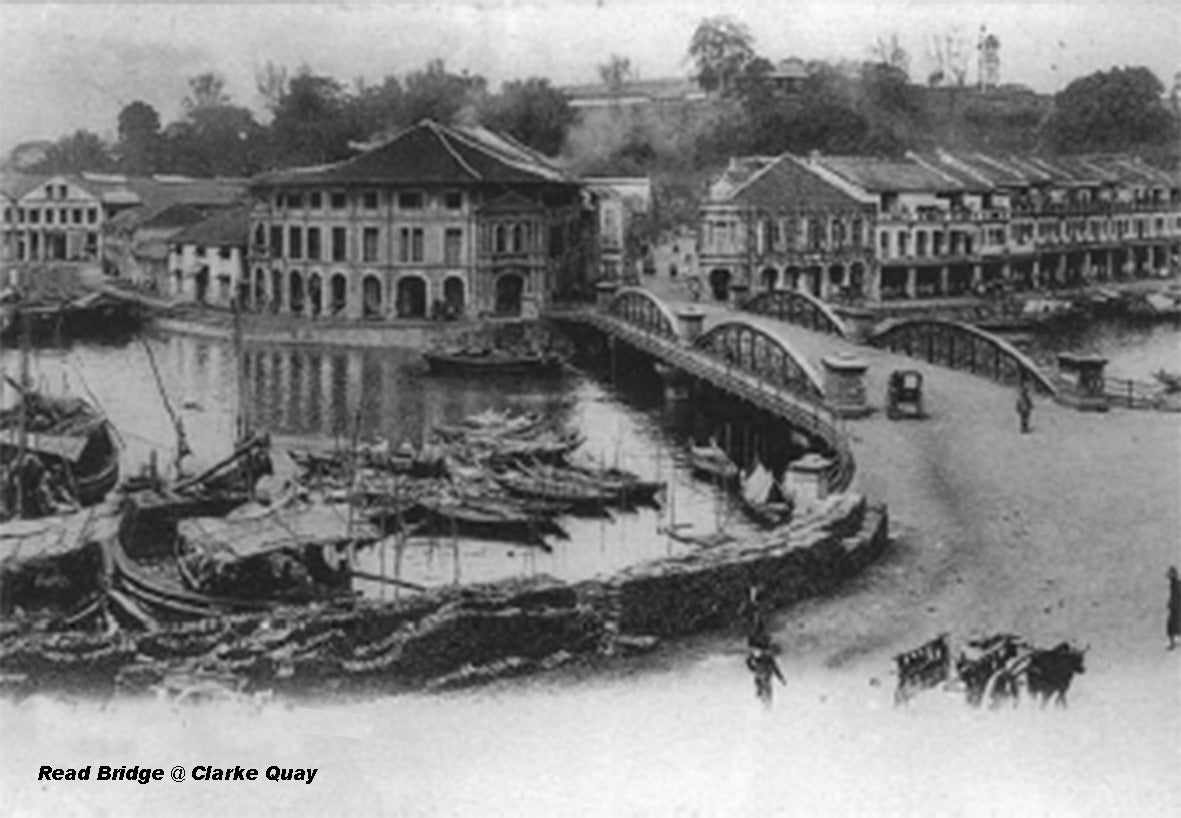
(679, 732)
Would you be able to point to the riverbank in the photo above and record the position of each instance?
(1064, 533)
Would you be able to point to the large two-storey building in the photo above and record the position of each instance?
(439, 220)
(937, 225)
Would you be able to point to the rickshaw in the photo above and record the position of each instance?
(905, 395)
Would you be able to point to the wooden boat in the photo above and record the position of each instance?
(1171, 380)
(624, 487)
(579, 496)
(465, 361)
(764, 500)
(488, 518)
(70, 442)
(93, 315)
(712, 463)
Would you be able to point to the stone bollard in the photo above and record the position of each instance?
(692, 322)
(844, 385)
(604, 292)
(806, 482)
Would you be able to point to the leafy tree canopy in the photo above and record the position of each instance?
(1110, 111)
(720, 49)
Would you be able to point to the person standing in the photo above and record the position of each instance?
(763, 665)
(1024, 407)
(1173, 623)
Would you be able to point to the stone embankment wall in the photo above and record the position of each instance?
(709, 588)
(455, 636)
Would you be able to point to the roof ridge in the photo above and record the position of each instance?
(758, 174)
(441, 133)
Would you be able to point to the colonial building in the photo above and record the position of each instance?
(773, 223)
(207, 260)
(939, 225)
(438, 220)
(90, 219)
(57, 218)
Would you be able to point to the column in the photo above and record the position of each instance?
(977, 277)
(911, 282)
(944, 280)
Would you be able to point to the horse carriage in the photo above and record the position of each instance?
(992, 669)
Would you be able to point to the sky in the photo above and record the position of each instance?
(65, 66)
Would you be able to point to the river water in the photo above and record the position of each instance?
(322, 396)
(674, 734)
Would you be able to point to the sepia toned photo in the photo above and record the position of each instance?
(590, 408)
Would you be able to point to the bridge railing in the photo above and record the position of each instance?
(811, 417)
(1132, 394)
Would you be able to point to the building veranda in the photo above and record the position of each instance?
(937, 225)
(439, 221)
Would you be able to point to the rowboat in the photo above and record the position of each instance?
(491, 362)
(712, 463)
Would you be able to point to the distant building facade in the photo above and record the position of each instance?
(438, 220)
(207, 260)
(937, 225)
(619, 201)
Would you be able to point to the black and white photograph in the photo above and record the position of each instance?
(590, 408)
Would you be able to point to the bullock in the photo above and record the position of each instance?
(1050, 672)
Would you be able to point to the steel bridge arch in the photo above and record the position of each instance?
(797, 307)
(962, 346)
(642, 309)
(752, 349)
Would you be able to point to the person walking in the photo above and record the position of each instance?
(764, 667)
(1173, 623)
(1024, 406)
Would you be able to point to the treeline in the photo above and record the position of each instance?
(313, 119)
(851, 107)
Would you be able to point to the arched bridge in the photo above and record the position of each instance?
(769, 357)
(964, 347)
(640, 308)
(744, 357)
(797, 307)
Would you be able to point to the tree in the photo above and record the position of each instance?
(888, 51)
(533, 111)
(139, 138)
(950, 55)
(206, 91)
(376, 109)
(437, 94)
(271, 83)
(616, 73)
(310, 125)
(78, 152)
(721, 47)
(1112, 110)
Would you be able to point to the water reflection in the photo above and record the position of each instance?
(323, 396)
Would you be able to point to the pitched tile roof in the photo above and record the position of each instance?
(227, 228)
(430, 153)
(787, 182)
(894, 175)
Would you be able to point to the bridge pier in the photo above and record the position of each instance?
(805, 480)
